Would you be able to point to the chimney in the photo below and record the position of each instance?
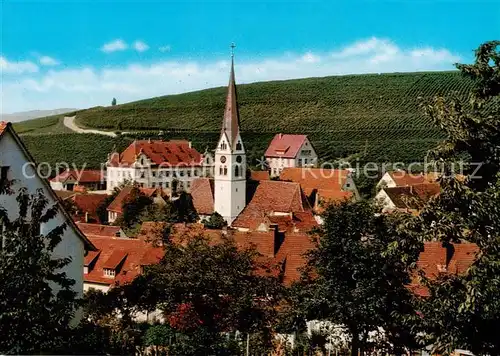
(280, 135)
(149, 140)
(86, 216)
(189, 144)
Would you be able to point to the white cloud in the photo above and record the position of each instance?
(140, 46)
(166, 48)
(48, 61)
(9, 67)
(88, 86)
(113, 46)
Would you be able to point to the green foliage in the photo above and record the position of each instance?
(113, 102)
(464, 311)
(376, 117)
(82, 150)
(34, 317)
(184, 210)
(101, 211)
(360, 281)
(215, 221)
(133, 207)
(205, 289)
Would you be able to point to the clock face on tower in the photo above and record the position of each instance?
(223, 159)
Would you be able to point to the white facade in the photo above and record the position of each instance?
(305, 157)
(149, 175)
(386, 181)
(230, 178)
(20, 168)
(385, 201)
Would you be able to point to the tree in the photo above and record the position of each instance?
(355, 279)
(206, 288)
(133, 206)
(37, 302)
(464, 311)
(184, 210)
(101, 211)
(113, 102)
(215, 221)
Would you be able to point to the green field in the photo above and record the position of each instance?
(375, 117)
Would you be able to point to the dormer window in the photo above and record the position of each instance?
(223, 145)
(109, 272)
(238, 146)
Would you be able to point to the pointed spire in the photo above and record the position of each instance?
(231, 123)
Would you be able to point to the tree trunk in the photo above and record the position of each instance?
(354, 343)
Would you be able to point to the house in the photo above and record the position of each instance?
(407, 198)
(86, 204)
(257, 176)
(115, 208)
(202, 195)
(70, 179)
(276, 202)
(117, 261)
(160, 164)
(323, 186)
(289, 151)
(17, 164)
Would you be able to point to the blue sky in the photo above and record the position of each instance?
(83, 53)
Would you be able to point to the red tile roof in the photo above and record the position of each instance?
(83, 176)
(259, 175)
(436, 259)
(88, 204)
(292, 255)
(271, 197)
(133, 252)
(316, 178)
(286, 146)
(97, 230)
(414, 196)
(117, 204)
(202, 193)
(165, 153)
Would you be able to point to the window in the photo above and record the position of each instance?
(142, 174)
(142, 185)
(188, 184)
(220, 170)
(300, 162)
(160, 184)
(181, 173)
(153, 185)
(236, 171)
(348, 185)
(225, 170)
(305, 160)
(238, 146)
(167, 184)
(4, 170)
(239, 159)
(142, 161)
(153, 173)
(236, 190)
(195, 172)
(223, 145)
(188, 173)
(167, 174)
(108, 272)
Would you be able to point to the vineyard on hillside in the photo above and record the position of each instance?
(375, 117)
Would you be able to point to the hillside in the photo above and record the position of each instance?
(375, 116)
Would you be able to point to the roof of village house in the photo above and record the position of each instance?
(292, 255)
(437, 259)
(316, 178)
(412, 197)
(231, 122)
(117, 204)
(202, 194)
(88, 204)
(165, 153)
(284, 145)
(259, 175)
(128, 255)
(97, 230)
(7, 126)
(82, 176)
(272, 197)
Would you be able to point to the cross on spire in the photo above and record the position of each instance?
(232, 49)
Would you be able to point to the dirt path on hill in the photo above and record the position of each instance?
(69, 122)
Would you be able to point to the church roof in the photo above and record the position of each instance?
(231, 122)
(202, 193)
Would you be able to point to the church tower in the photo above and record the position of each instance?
(230, 160)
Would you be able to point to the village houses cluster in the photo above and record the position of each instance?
(273, 209)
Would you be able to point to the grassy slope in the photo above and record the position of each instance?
(376, 116)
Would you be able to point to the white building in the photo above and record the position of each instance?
(230, 160)
(290, 151)
(16, 164)
(158, 164)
